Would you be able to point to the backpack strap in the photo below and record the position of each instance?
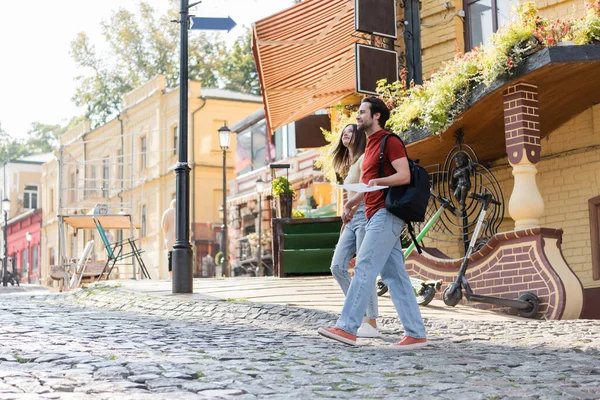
(409, 226)
(411, 232)
(382, 152)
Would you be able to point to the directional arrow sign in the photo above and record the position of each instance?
(212, 24)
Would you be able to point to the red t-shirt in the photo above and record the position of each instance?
(375, 201)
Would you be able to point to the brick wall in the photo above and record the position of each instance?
(509, 266)
(568, 176)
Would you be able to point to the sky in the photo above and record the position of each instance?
(36, 71)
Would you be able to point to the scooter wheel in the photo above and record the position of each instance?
(452, 295)
(426, 295)
(534, 303)
(381, 288)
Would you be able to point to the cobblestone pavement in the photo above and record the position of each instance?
(109, 343)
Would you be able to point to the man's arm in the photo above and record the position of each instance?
(401, 177)
(163, 223)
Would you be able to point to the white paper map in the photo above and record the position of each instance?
(361, 187)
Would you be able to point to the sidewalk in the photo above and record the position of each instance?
(318, 293)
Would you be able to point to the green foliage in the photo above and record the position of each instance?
(238, 69)
(435, 104)
(10, 148)
(142, 45)
(281, 185)
(298, 214)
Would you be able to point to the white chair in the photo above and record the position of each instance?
(81, 264)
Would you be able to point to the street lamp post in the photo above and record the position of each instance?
(224, 138)
(260, 185)
(29, 258)
(182, 281)
(6, 209)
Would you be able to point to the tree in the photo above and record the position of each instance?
(43, 138)
(143, 45)
(239, 69)
(11, 149)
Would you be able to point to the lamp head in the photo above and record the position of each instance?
(224, 136)
(260, 185)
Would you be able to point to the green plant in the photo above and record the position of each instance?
(435, 105)
(298, 214)
(281, 186)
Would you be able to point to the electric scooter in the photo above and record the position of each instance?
(424, 290)
(528, 303)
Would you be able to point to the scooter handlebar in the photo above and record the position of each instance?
(486, 198)
(445, 203)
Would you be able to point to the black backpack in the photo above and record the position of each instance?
(407, 202)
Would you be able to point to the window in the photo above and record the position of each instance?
(120, 163)
(105, 177)
(34, 259)
(143, 227)
(25, 263)
(594, 208)
(251, 151)
(175, 139)
(484, 17)
(51, 200)
(92, 177)
(143, 148)
(51, 256)
(30, 197)
(73, 187)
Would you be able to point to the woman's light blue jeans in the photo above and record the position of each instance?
(380, 253)
(348, 244)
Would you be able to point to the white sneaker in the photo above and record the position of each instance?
(367, 331)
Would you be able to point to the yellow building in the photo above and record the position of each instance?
(321, 71)
(127, 164)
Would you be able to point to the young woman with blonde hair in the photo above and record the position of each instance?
(347, 162)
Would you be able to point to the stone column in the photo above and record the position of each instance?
(523, 147)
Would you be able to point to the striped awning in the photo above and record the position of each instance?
(305, 58)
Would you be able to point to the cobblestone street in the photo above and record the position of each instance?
(109, 343)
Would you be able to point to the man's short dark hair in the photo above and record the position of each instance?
(378, 106)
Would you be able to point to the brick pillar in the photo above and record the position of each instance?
(523, 147)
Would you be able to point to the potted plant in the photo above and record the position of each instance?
(283, 192)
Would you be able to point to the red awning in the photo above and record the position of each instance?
(305, 58)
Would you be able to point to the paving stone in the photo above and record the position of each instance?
(78, 345)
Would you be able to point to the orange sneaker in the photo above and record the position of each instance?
(338, 334)
(410, 343)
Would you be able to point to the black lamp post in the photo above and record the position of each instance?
(260, 186)
(224, 138)
(29, 257)
(182, 281)
(6, 209)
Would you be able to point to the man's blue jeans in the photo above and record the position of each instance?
(381, 254)
(348, 244)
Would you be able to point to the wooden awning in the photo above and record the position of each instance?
(305, 58)
(117, 221)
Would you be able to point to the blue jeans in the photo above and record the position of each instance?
(349, 244)
(381, 254)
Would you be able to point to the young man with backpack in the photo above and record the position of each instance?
(381, 251)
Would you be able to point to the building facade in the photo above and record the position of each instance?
(322, 72)
(21, 184)
(127, 165)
